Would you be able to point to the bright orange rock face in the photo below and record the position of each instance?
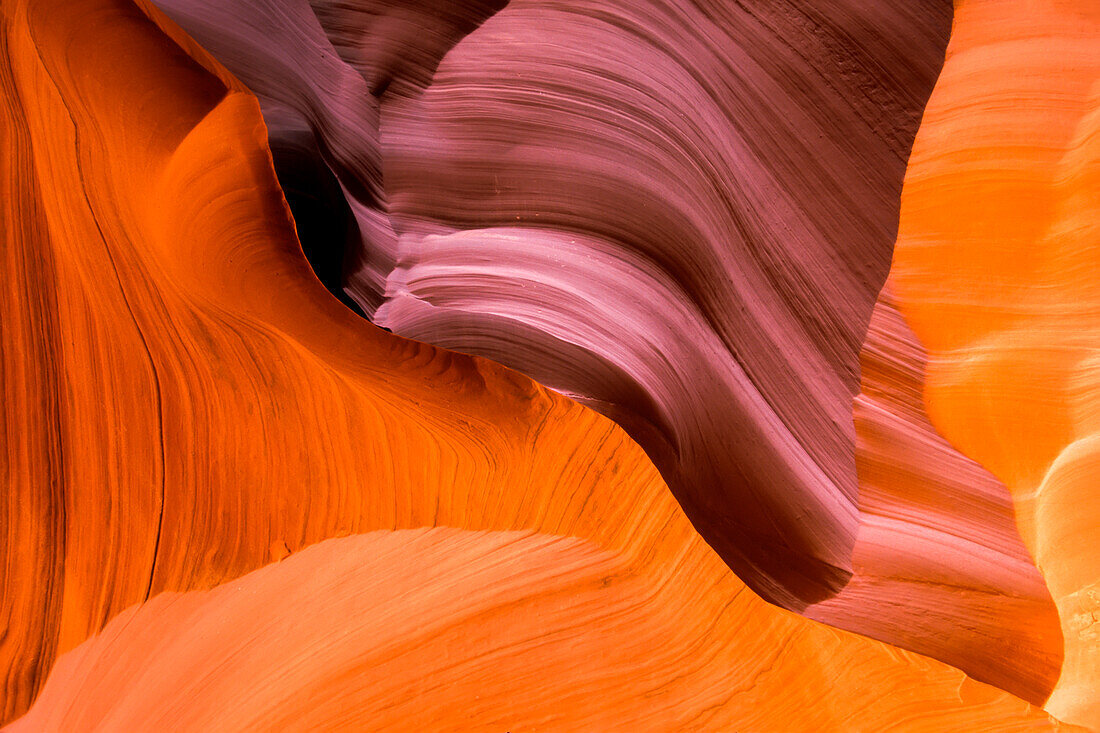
(185, 405)
(446, 630)
(188, 403)
(996, 269)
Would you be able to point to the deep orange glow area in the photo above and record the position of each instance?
(233, 504)
(996, 269)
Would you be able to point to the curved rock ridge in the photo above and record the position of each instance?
(450, 630)
(996, 270)
(185, 404)
(679, 214)
(595, 196)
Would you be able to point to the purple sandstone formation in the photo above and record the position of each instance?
(679, 214)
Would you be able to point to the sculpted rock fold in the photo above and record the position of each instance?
(199, 405)
(209, 409)
(940, 566)
(679, 215)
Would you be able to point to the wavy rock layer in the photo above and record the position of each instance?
(447, 630)
(940, 566)
(183, 400)
(197, 406)
(679, 214)
(996, 269)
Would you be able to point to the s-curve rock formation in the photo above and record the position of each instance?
(679, 214)
(185, 406)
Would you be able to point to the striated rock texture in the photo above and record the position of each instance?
(996, 270)
(677, 213)
(184, 404)
(450, 630)
(680, 215)
(940, 567)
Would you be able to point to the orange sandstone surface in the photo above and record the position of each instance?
(184, 405)
(997, 270)
(452, 630)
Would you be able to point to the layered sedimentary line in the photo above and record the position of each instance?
(995, 270)
(681, 217)
(451, 630)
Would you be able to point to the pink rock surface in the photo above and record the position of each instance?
(678, 214)
(940, 567)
